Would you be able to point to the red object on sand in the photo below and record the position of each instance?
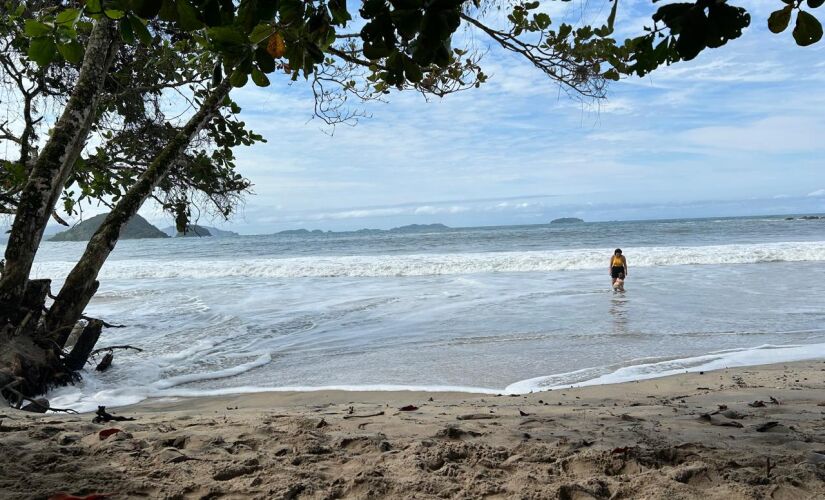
(66, 496)
(409, 408)
(107, 432)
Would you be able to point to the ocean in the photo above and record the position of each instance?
(495, 310)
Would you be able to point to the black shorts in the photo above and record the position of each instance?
(617, 272)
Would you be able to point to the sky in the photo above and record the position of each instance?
(737, 131)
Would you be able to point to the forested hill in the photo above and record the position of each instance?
(137, 228)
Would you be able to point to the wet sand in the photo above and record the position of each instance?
(754, 432)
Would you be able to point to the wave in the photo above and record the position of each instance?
(446, 264)
(731, 358)
(91, 392)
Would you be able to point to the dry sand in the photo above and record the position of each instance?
(636, 440)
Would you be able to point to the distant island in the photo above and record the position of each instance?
(566, 220)
(137, 228)
(197, 231)
(411, 228)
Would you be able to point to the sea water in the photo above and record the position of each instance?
(492, 310)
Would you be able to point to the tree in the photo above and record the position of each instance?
(403, 44)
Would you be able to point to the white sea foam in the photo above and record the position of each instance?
(765, 354)
(447, 264)
(87, 399)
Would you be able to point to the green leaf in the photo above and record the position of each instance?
(168, 10)
(94, 7)
(238, 78)
(114, 14)
(412, 70)
(126, 32)
(35, 28)
(42, 50)
(67, 17)
(340, 15)
(808, 29)
(228, 35)
(265, 61)
(260, 33)
(147, 9)
(259, 78)
(141, 31)
(779, 20)
(187, 16)
(815, 3)
(72, 51)
(542, 20)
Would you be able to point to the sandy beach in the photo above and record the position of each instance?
(755, 432)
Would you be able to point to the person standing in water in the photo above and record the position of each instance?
(618, 269)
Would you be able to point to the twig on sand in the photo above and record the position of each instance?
(104, 416)
(364, 416)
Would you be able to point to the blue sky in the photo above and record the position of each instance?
(738, 131)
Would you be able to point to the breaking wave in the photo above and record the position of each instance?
(447, 264)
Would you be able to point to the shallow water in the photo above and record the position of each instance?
(509, 309)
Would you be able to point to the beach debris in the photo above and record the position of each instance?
(766, 426)
(621, 451)
(430, 399)
(757, 404)
(707, 417)
(476, 416)
(523, 413)
(723, 407)
(321, 423)
(775, 401)
(364, 416)
(703, 388)
(105, 363)
(93, 496)
(105, 433)
(408, 408)
(103, 416)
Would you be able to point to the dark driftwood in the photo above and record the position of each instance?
(81, 351)
(113, 347)
(106, 362)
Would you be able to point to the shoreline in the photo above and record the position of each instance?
(693, 435)
(761, 355)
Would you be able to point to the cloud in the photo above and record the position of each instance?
(817, 193)
(779, 134)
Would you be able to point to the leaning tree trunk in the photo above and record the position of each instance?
(53, 167)
(81, 284)
(29, 363)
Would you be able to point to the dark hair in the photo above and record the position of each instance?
(617, 251)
